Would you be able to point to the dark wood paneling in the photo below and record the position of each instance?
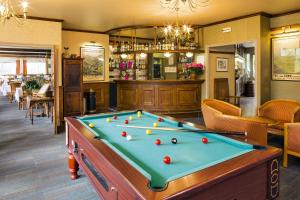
(165, 97)
(160, 96)
(128, 97)
(102, 94)
(147, 97)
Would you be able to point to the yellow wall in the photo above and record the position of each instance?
(253, 29)
(214, 74)
(285, 89)
(35, 33)
(75, 40)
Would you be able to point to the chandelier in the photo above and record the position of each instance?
(177, 33)
(7, 11)
(176, 4)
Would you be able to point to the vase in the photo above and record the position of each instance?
(193, 76)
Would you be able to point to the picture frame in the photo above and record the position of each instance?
(93, 63)
(286, 58)
(222, 65)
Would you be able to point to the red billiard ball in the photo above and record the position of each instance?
(123, 133)
(204, 140)
(167, 160)
(126, 121)
(160, 119)
(115, 117)
(157, 142)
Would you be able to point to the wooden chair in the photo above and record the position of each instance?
(291, 141)
(13, 87)
(223, 116)
(279, 112)
(222, 91)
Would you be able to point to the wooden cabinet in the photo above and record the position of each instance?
(159, 96)
(72, 87)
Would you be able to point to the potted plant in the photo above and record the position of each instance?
(31, 86)
(194, 70)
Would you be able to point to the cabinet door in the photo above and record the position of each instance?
(72, 86)
(72, 79)
(72, 103)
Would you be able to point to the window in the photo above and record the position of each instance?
(8, 68)
(36, 67)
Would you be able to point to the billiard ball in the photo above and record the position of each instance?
(130, 118)
(174, 140)
(126, 121)
(204, 140)
(160, 119)
(115, 117)
(167, 160)
(108, 119)
(123, 133)
(148, 132)
(91, 125)
(128, 137)
(157, 142)
(140, 116)
(155, 124)
(139, 113)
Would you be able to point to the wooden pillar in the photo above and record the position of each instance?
(24, 67)
(18, 69)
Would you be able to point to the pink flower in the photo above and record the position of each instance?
(126, 76)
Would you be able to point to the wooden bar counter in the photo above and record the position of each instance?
(163, 96)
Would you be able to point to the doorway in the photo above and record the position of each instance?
(27, 84)
(235, 64)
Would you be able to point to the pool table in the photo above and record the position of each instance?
(133, 167)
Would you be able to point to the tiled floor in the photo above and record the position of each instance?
(33, 162)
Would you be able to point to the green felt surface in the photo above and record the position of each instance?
(188, 155)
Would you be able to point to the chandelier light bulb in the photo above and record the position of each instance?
(169, 27)
(166, 31)
(176, 32)
(185, 27)
(2, 9)
(24, 5)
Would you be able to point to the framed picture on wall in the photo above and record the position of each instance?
(93, 63)
(286, 58)
(222, 65)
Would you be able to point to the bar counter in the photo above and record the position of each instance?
(162, 96)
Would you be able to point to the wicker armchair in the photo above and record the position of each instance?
(278, 112)
(223, 116)
(291, 141)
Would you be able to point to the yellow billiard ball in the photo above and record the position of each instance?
(148, 132)
(155, 124)
(91, 125)
(130, 118)
(108, 120)
(139, 113)
(139, 116)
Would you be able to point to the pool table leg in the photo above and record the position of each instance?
(73, 166)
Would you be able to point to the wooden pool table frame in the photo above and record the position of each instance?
(254, 175)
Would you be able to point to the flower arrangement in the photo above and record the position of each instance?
(126, 69)
(194, 68)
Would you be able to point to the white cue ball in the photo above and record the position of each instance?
(128, 137)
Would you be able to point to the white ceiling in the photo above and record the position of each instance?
(102, 15)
